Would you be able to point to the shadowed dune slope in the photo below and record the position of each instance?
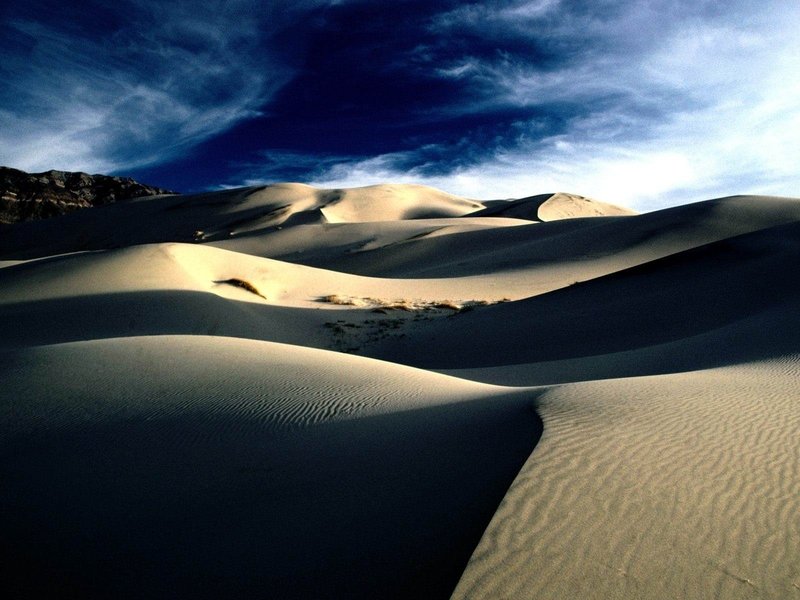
(663, 301)
(566, 250)
(139, 221)
(196, 289)
(220, 215)
(772, 333)
(205, 466)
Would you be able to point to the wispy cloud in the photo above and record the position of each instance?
(161, 78)
(642, 103)
(284, 165)
(669, 102)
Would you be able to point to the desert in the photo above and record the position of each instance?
(392, 391)
(369, 300)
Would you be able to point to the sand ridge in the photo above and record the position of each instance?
(667, 300)
(338, 393)
(243, 466)
(678, 485)
(553, 207)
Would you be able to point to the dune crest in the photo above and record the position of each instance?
(681, 485)
(553, 207)
(571, 206)
(341, 392)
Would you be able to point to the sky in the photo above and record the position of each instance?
(642, 103)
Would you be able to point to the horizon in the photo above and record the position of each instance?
(643, 106)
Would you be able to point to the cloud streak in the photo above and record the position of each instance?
(157, 79)
(689, 105)
(646, 104)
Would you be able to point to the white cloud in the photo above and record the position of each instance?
(699, 155)
(531, 10)
(706, 105)
(273, 165)
(173, 76)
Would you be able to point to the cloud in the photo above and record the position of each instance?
(642, 103)
(152, 81)
(667, 103)
(283, 165)
(694, 156)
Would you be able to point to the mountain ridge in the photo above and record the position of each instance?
(33, 196)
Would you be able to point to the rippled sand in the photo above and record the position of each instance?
(292, 392)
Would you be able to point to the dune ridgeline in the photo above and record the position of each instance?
(395, 392)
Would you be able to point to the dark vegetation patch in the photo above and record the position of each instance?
(245, 285)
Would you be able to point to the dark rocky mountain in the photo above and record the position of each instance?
(30, 196)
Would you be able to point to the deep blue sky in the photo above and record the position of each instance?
(641, 103)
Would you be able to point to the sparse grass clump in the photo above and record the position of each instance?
(245, 285)
(403, 304)
(375, 303)
(382, 305)
(337, 299)
(447, 305)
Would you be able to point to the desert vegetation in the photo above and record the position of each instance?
(406, 304)
(241, 283)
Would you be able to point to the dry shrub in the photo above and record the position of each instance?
(406, 304)
(337, 299)
(367, 302)
(245, 285)
(345, 300)
(447, 305)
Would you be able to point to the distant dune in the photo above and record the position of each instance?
(295, 392)
(552, 207)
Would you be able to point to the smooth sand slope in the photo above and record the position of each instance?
(692, 300)
(221, 215)
(206, 466)
(182, 415)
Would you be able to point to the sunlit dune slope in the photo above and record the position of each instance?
(338, 393)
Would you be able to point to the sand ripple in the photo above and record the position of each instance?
(675, 486)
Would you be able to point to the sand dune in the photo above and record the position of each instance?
(183, 414)
(220, 215)
(206, 466)
(553, 207)
(324, 244)
(672, 299)
(574, 249)
(674, 486)
(567, 250)
(200, 290)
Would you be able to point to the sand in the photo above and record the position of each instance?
(671, 486)
(293, 392)
(207, 466)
